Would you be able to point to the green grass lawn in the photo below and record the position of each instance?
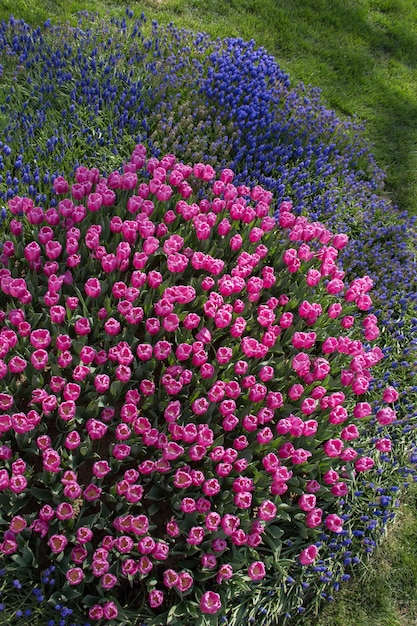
(386, 593)
(363, 56)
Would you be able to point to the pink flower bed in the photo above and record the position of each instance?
(184, 383)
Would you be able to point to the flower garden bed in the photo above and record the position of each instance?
(198, 426)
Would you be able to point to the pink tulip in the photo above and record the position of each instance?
(334, 523)
(51, 460)
(57, 543)
(256, 570)
(92, 492)
(96, 612)
(364, 464)
(383, 445)
(155, 598)
(210, 603)
(308, 555)
(314, 518)
(390, 395)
